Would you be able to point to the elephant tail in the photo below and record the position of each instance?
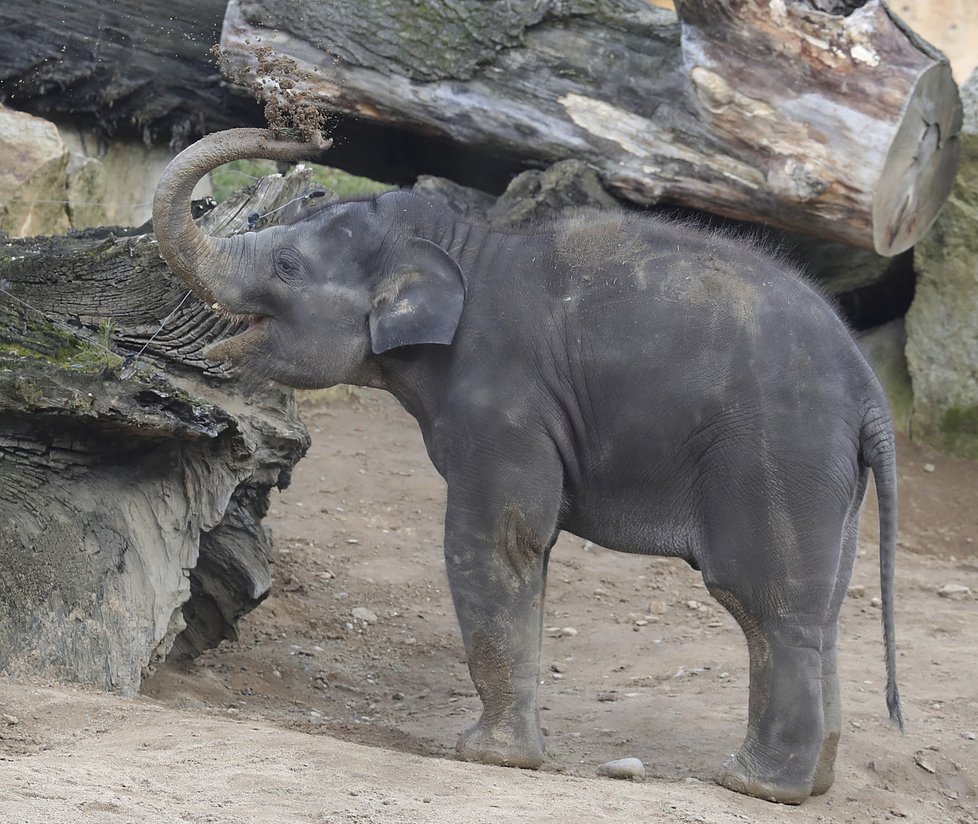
(879, 453)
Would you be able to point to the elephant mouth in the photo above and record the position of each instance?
(254, 321)
(249, 330)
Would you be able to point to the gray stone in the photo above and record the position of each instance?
(536, 195)
(942, 324)
(471, 204)
(956, 592)
(364, 614)
(532, 195)
(625, 768)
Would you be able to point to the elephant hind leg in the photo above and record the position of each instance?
(786, 725)
(831, 699)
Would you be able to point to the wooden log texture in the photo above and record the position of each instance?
(131, 495)
(838, 123)
(124, 65)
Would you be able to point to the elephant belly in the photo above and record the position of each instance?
(632, 525)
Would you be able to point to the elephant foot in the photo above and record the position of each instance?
(776, 785)
(501, 745)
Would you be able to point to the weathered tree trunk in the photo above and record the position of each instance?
(839, 123)
(122, 65)
(131, 494)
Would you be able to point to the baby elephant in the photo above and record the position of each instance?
(645, 384)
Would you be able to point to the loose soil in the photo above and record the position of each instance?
(342, 698)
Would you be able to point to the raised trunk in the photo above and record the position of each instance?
(196, 258)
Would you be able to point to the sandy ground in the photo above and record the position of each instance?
(342, 698)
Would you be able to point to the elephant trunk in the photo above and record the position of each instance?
(198, 259)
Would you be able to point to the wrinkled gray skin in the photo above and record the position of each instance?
(647, 385)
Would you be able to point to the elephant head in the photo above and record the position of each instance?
(323, 297)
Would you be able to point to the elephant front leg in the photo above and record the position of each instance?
(497, 574)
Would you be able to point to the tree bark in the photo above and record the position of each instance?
(840, 123)
(131, 492)
(122, 65)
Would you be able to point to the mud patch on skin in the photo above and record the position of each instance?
(716, 284)
(391, 286)
(522, 550)
(589, 241)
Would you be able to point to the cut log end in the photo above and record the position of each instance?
(920, 165)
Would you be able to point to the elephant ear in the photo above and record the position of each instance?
(420, 301)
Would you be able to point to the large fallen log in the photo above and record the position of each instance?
(840, 123)
(132, 489)
(124, 65)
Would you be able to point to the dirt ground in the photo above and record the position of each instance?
(358, 646)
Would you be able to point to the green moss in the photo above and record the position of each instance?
(37, 339)
(959, 430)
(346, 185)
(233, 176)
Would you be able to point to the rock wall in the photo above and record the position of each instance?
(55, 179)
(33, 176)
(942, 324)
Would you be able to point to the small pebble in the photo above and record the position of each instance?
(12, 720)
(875, 602)
(364, 614)
(924, 764)
(971, 736)
(857, 591)
(956, 592)
(630, 768)
(929, 467)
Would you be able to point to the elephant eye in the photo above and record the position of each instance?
(288, 266)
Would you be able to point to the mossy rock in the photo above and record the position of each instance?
(942, 324)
